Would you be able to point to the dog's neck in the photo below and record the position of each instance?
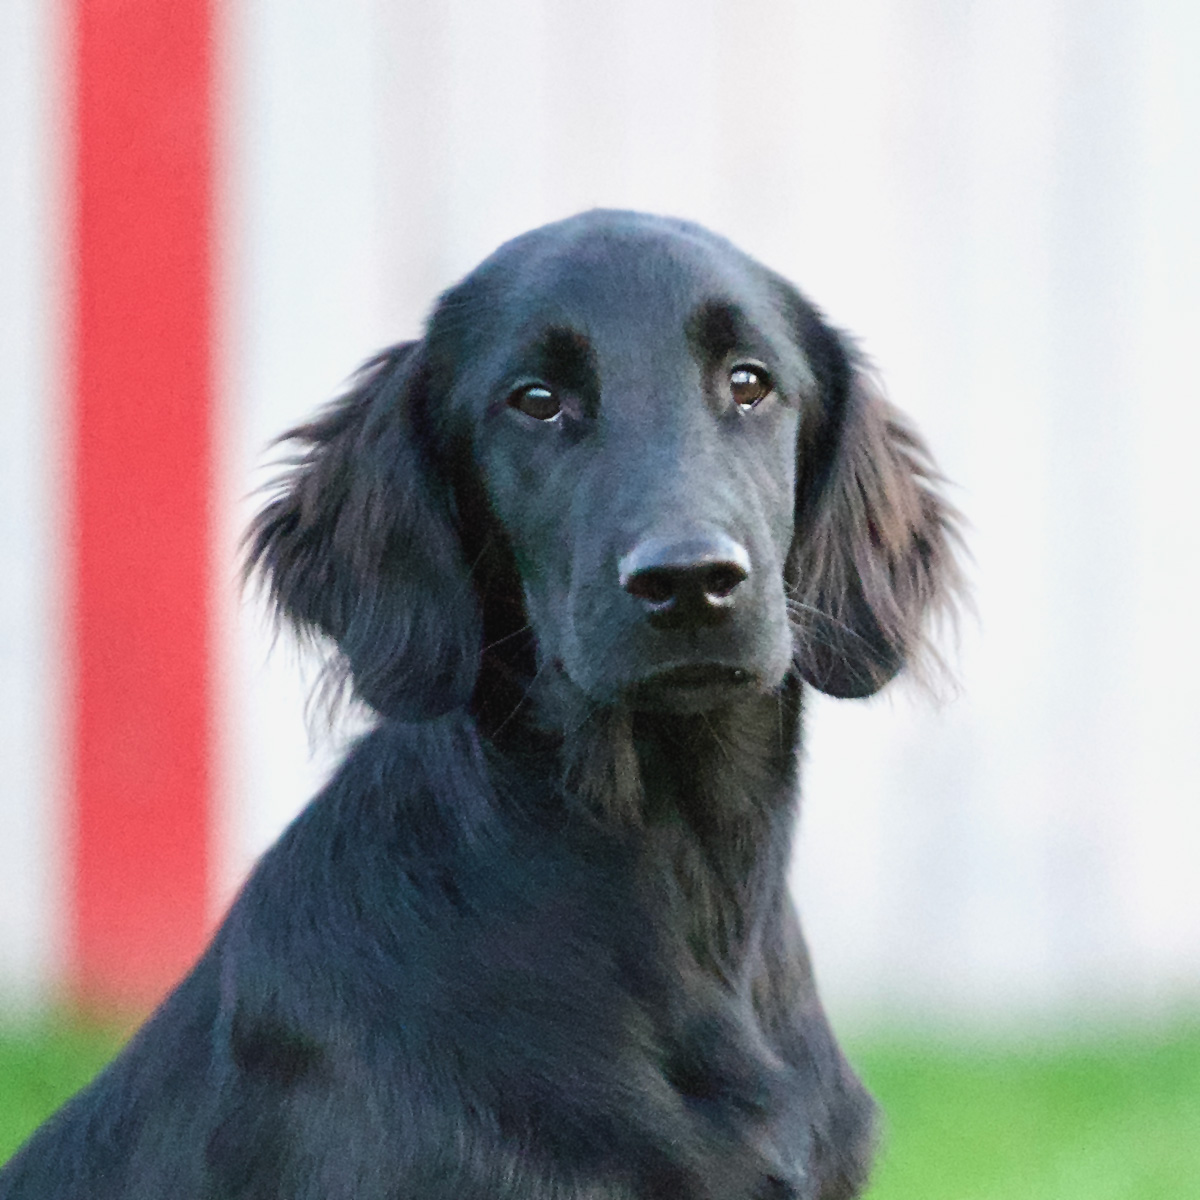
(708, 800)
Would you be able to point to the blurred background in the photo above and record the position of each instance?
(213, 210)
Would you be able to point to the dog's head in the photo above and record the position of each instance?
(633, 454)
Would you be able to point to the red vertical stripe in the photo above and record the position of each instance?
(142, 392)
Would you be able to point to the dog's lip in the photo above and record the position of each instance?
(696, 676)
(691, 687)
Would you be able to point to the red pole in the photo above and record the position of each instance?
(140, 339)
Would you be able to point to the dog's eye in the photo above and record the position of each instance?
(536, 401)
(749, 385)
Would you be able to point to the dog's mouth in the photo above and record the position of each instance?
(691, 687)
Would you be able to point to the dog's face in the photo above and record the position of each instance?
(689, 480)
(632, 403)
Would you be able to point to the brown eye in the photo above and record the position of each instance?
(749, 385)
(536, 401)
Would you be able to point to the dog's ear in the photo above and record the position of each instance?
(874, 560)
(358, 542)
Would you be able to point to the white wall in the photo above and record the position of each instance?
(999, 198)
(31, 426)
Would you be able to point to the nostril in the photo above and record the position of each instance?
(656, 587)
(720, 579)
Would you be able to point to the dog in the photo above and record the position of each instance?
(581, 548)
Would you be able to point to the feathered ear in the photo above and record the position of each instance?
(358, 543)
(873, 563)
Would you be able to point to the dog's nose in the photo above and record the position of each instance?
(685, 581)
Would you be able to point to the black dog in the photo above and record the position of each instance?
(578, 548)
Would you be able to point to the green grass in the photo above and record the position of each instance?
(1112, 1119)
(40, 1067)
(1117, 1119)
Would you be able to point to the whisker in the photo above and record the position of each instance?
(798, 606)
(524, 697)
(508, 637)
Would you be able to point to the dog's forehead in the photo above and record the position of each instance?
(617, 280)
(635, 297)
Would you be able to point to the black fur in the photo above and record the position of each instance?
(534, 939)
